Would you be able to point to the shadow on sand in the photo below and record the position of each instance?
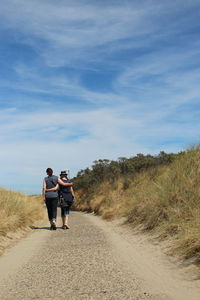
(43, 228)
(36, 227)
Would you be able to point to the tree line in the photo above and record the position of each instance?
(111, 170)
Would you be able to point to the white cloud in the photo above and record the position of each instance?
(34, 141)
(45, 146)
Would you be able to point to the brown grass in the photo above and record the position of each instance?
(18, 211)
(165, 200)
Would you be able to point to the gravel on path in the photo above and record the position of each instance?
(75, 264)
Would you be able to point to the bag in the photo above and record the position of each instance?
(66, 199)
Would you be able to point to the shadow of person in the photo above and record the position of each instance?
(36, 227)
(43, 227)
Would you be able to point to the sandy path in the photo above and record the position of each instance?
(93, 260)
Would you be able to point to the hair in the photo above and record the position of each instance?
(49, 171)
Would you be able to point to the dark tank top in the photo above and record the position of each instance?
(51, 182)
(65, 189)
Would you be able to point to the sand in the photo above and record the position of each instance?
(94, 259)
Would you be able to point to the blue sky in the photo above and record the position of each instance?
(84, 80)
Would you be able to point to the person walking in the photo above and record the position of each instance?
(66, 194)
(50, 195)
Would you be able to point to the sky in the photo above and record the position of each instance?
(82, 80)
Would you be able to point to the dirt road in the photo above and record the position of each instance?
(93, 260)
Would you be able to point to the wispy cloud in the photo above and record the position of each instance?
(95, 79)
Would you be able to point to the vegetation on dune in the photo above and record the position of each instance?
(110, 170)
(162, 193)
(113, 173)
(18, 211)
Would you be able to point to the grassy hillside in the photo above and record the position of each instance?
(18, 210)
(164, 199)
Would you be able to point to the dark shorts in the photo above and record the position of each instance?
(65, 211)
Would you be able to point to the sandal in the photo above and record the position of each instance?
(65, 227)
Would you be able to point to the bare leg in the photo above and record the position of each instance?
(65, 216)
(65, 220)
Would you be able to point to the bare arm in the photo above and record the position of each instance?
(55, 188)
(64, 183)
(44, 190)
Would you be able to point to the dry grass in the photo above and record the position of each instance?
(165, 200)
(170, 204)
(105, 201)
(18, 211)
